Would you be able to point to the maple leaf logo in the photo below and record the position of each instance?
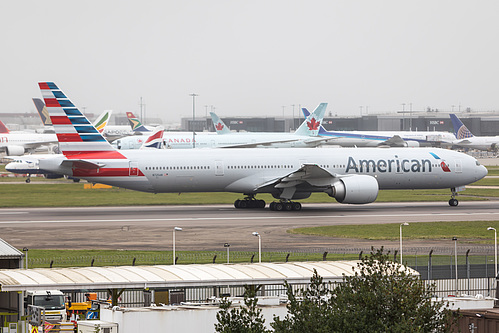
(313, 124)
(219, 127)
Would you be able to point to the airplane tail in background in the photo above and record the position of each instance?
(155, 140)
(312, 122)
(3, 128)
(42, 111)
(220, 126)
(135, 123)
(78, 138)
(101, 122)
(460, 130)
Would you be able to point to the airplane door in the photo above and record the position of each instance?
(459, 166)
(219, 168)
(134, 169)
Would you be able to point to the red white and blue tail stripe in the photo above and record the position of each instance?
(155, 140)
(78, 138)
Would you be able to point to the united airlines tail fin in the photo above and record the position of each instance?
(78, 138)
(42, 111)
(135, 123)
(220, 126)
(3, 128)
(460, 130)
(155, 140)
(311, 124)
(101, 122)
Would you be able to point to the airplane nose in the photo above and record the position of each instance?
(483, 171)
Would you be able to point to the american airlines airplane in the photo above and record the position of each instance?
(385, 138)
(350, 175)
(466, 139)
(304, 137)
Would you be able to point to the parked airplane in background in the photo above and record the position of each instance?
(386, 138)
(136, 125)
(304, 137)
(466, 139)
(350, 175)
(17, 143)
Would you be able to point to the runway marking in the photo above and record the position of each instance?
(251, 218)
(12, 213)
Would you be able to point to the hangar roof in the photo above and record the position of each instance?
(7, 251)
(169, 276)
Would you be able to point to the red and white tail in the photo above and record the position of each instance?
(3, 128)
(78, 138)
(155, 140)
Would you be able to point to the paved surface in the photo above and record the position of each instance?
(208, 227)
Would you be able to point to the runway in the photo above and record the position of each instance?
(209, 227)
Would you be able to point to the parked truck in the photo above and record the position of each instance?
(51, 300)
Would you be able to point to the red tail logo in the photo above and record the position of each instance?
(445, 167)
(219, 127)
(313, 124)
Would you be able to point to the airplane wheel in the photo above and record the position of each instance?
(288, 206)
(236, 203)
(243, 204)
(261, 204)
(296, 206)
(279, 206)
(28, 180)
(272, 206)
(453, 202)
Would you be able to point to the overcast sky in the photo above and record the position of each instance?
(252, 57)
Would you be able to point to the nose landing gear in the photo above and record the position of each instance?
(453, 201)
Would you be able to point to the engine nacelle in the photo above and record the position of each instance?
(296, 195)
(356, 189)
(411, 143)
(15, 150)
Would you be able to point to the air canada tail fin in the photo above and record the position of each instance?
(311, 124)
(220, 126)
(101, 122)
(42, 111)
(155, 140)
(3, 128)
(460, 130)
(135, 123)
(78, 138)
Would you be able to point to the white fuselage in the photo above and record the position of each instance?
(26, 140)
(244, 170)
(479, 142)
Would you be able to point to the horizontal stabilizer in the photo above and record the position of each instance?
(82, 164)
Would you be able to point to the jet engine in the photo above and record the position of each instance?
(411, 143)
(356, 189)
(15, 150)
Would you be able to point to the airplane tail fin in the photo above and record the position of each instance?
(220, 126)
(101, 122)
(155, 140)
(305, 112)
(135, 123)
(78, 138)
(3, 128)
(460, 130)
(311, 124)
(42, 111)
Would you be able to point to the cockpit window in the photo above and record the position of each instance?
(477, 163)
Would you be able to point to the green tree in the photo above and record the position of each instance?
(381, 296)
(244, 319)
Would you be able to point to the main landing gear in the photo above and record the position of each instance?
(249, 202)
(285, 205)
(453, 201)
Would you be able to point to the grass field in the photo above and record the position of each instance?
(465, 230)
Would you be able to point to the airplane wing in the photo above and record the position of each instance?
(312, 174)
(394, 141)
(312, 141)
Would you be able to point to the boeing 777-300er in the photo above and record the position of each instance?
(350, 175)
(385, 138)
(304, 137)
(466, 139)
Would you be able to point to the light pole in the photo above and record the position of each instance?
(193, 118)
(455, 256)
(25, 249)
(175, 229)
(495, 249)
(401, 225)
(227, 245)
(259, 246)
